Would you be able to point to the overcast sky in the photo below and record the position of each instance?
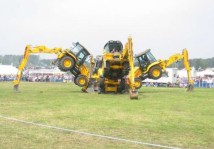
(164, 26)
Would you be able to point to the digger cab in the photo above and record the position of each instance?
(149, 66)
(144, 59)
(73, 59)
(80, 52)
(113, 46)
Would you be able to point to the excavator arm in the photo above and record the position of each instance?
(183, 56)
(128, 52)
(28, 51)
(153, 68)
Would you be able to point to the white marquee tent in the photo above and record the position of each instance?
(207, 72)
(8, 70)
(183, 73)
(45, 71)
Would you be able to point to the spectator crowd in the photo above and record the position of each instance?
(40, 78)
(202, 82)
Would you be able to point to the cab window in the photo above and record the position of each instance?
(81, 56)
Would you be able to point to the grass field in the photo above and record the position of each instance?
(166, 116)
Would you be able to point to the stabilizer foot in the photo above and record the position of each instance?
(84, 90)
(133, 94)
(16, 88)
(190, 88)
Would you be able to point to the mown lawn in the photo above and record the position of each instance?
(166, 116)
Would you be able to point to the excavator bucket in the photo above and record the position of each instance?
(16, 88)
(190, 88)
(91, 87)
(16, 85)
(85, 89)
(133, 94)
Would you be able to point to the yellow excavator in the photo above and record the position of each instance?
(114, 71)
(146, 66)
(68, 60)
(115, 68)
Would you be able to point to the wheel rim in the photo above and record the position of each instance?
(82, 81)
(67, 63)
(156, 73)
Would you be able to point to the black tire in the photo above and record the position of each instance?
(107, 69)
(126, 68)
(122, 86)
(101, 85)
(126, 65)
(138, 82)
(75, 78)
(66, 60)
(155, 72)
(106, 73)
(125, 72)
(81, 80)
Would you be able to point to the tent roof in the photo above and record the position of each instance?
(8, 70)
(205, 72)
(45, 71)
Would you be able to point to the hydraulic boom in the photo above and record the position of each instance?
(149, 67)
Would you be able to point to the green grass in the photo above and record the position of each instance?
(167, 116)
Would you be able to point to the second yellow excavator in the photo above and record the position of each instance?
(68, 60)
(146, 66)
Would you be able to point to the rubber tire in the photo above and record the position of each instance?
(78, 79)
(126, 65)
(138, 80)
(75, 78)
(101, 85)
(61, 63)
(106, 73)
(122, 86)
(126, 68)
(107, 69)
(151, 72)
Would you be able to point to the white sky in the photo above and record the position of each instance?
(165, 26)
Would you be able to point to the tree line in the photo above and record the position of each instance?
(35, 60)
(198, 63)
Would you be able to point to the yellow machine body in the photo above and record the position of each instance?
(116, 67)
(151, 68)
(114, 71)
(67, 61)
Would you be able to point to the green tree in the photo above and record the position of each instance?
(1, 58)
(210, 62)
(200, 63)
(7, 60)
(33, 60)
